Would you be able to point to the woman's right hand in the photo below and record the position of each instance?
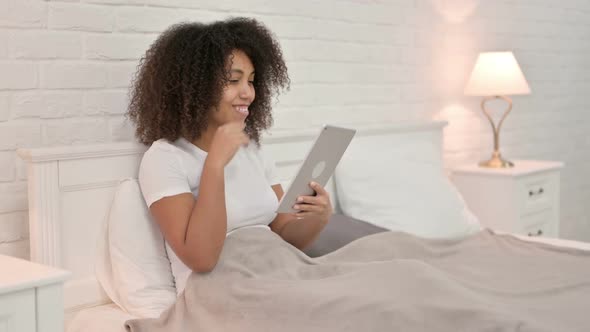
(227, 140)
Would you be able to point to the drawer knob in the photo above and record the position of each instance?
(538, 233)
(538, 192)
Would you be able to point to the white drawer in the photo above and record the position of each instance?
(540, 217)
(17, 311)
(537, 230)
(537, 192)
(538, 224)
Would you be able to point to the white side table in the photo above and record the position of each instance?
(31, 296)
(523, 199)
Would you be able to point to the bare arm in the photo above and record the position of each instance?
(302, 232)
(195, 229)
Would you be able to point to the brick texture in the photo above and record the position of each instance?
(66, 67)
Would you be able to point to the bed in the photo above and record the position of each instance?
(75, 183)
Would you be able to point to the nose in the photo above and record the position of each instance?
(247, 91)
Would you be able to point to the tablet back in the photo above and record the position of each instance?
(319, 165)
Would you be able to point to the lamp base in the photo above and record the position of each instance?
(496, 162)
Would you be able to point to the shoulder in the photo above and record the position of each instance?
(159, 149)
(262, 150)
(255, 151)
(162, 147)
(253, 147)
(162, 172)
(161, 155)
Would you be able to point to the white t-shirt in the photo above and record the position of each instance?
(171, 168)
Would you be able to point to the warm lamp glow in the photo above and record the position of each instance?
(496, 74)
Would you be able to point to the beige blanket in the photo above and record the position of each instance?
(385, 282)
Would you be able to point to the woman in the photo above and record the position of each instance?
(201, 98)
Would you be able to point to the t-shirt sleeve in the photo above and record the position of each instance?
(161, 174)
(270, 168)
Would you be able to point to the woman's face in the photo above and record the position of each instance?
(238, 94)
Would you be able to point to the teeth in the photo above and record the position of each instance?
(242, 109)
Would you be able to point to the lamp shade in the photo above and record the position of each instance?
(496, 74)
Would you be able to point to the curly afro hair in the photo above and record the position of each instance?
(183, 74)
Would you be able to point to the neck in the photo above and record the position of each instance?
(206, 138)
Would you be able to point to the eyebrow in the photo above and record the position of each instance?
(240, 71)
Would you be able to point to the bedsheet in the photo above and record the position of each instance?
(110, 317)
(383, 282)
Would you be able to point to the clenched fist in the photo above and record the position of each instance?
(227, 140)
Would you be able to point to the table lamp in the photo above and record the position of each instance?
(495, 75)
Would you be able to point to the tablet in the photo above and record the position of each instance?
(318, 166)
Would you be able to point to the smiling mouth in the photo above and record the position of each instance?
(242, 110)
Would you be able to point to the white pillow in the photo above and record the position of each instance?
(397, 182)
(132, 266)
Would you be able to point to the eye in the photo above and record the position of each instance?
(251, 82)
(234, 81)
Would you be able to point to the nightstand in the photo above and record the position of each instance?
(523, 199)
(31, 296)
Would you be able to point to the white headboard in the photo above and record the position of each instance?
(70, 189)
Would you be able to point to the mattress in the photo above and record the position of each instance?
(111, 318)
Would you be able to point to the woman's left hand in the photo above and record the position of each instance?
(318, 206)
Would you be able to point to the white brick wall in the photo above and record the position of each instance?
(65, 67)
(18, 75)
(72, 75)
(45, 104)
(38, 44)
(87, 17)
